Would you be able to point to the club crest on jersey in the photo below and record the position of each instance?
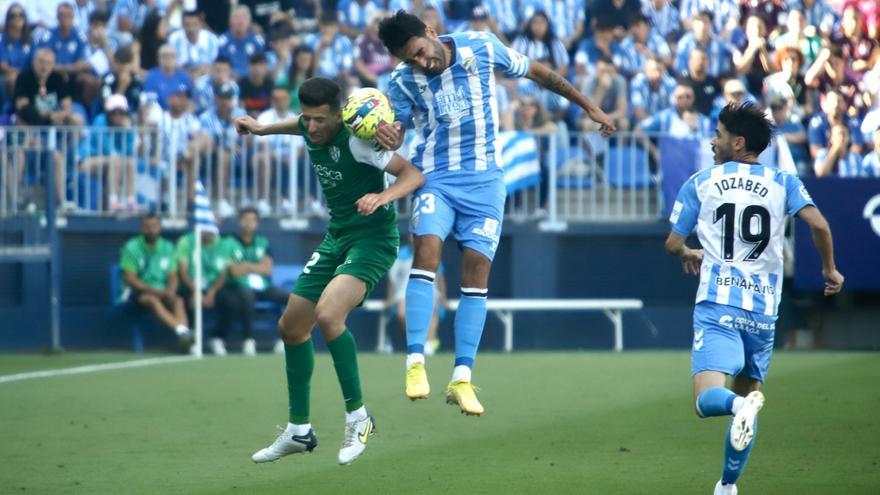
(334, 153)
(470, 65)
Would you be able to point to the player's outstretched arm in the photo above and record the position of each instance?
(691, 259)
(824, 244)
(549, 79)
(247, 125)
(409, 178)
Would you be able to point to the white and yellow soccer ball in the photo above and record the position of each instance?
(366, 110)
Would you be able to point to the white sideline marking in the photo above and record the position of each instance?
(91, 368)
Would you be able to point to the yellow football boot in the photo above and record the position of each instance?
(417, 386)
(464, 394)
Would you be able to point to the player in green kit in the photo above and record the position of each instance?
(358, 249)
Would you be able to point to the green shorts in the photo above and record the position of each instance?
(367, 255)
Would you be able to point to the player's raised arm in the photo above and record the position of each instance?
(549, 79)
(247, 125)
(821, 232)
(409, 178)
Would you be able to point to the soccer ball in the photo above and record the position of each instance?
(366, 110)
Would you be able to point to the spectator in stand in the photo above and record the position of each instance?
(816, 13)
(607, 89)
(196, 46)
(706, 88)
(651, 91)
(110, 149)
(800, 36)
(99, 58)
(301, 68)
(617, 13)
(569, 18)
(16, 48)
(149, 269)
(42, 98)
(256, 89)
(702, 37)
(82, 12)
(478, 21)
(250, 267)
(871, 163)
(539, 42)
(151, 37)
(831, 72)
(790, 129)
(726, 15)
(71, 51)
(838, 159)
(751, 57)
(215, 260)
(273, 150)
(834, 112)
(642, 44)
(664, 18)
(788, 83)
(769, 11)
(457, 13)
(282, 41)
(203, 92)
(682, 120)
(167, 77)
(860, 51)
(372, 61)
(267, 12)
(333, 51)
(354, 15)
(240, 42)
(221, 144)
(305, 14)
(178, 129)
(601, 45)
(432, 15)
(504, 19)
(528, 114)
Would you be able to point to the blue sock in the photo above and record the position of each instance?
(419, 308)
(717, 401)
(469, 320)
(734, 460)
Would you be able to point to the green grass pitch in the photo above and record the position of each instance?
(591, 423)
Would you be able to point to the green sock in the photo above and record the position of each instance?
(344, 352)
(300, 362)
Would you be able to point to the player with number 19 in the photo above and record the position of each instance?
(738, 208)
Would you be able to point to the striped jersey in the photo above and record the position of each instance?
(738, 210)
(455, 113)
(202, 52)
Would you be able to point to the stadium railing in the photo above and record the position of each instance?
(553, 178)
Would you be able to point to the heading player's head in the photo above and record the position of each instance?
(410, 40)
(248, 220)
(321, 100)
(743, 132)
(151, 228)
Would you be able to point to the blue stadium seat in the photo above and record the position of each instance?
(285, 276)
(628, 168)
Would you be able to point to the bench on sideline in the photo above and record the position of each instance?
(504, 309)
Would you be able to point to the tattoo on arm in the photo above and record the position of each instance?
(556, 83)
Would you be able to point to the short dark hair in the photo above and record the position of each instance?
(748, 120)
(328, 18)
(192, 13)
(258, 58)
(396, 31)
(319, 91)
(150, 215)
(222, 59)
(248, 209)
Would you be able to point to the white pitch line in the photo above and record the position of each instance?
(92, 368)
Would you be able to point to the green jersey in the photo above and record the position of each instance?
(215, 258)
(348, 168)
(239, 252)
(152, 264)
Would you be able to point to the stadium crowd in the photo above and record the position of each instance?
(189, 68)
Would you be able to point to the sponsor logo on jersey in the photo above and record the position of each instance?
(327, 176)
(452, 104)
(489, 230)
(676, 211)
(726, 321)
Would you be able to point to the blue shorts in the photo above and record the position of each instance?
(473, 212)
(732, 340)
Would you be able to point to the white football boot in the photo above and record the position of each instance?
(357, 433)
(743, 428)
(287, 443)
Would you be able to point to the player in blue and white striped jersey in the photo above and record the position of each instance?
(738, 208)
(445, 89)
(196, 46)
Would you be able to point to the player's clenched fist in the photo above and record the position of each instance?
(370, 203)
(390, 137)
(246, 125)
